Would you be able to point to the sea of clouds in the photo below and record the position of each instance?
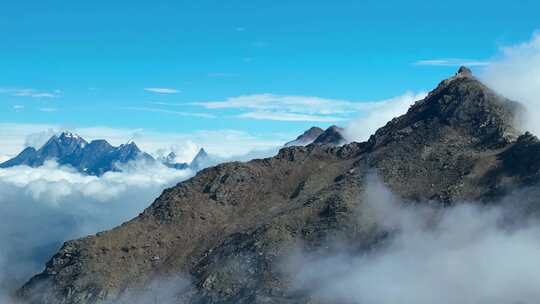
(469, 253)
(43, 207)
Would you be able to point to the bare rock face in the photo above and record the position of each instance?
(230, 225)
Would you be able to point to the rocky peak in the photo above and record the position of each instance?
(331, 136)
(171, 157)
(130, 147)
(200, 160)
(463, 103)
(464, 72)
(306, 138)
(69, 138)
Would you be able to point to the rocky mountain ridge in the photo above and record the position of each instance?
(229, 227)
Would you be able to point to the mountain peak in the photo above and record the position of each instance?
(332, 136)
(68, 134)
(463, 103)
(464, 72)
(201, 154)
(130, 145)
(200, 160)
(306, 138)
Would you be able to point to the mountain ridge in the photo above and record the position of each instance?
(228, 226)
(96, 157)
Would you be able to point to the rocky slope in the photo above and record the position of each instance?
(229, 227)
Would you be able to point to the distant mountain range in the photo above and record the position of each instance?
(94, 158)
(99, 157)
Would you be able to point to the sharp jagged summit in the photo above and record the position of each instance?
(66, 148)
(230, 225)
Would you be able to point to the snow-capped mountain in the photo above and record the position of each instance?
(94, 158)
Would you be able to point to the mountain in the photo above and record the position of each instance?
(170, 161)
(306, 138)
(315, 135)
(230, 225)
(331, 136)
(94, 158)
(200, 161)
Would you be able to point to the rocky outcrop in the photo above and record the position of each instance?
(230, 225)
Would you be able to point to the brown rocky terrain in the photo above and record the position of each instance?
(229, 227)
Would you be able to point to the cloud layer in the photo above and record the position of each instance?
(43, 207)
(469, 253)
(515, 73)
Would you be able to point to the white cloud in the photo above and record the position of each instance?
(469, 253)
(302, 104)
(31, 93)
(452, 62)
(42, 207)
(515, 73)
(162, 90)
(18, 108)
(281, 116)
(287, 108)
(376, 114)
(179, 113)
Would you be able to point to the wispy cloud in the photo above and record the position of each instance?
(287, 108)
(515, 73)
(18, 108)
(452, 62)
(180, 113)
(283, 116)
(26, 92)
(47, 110)
(162, 90)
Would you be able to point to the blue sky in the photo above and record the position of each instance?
(99, 63)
